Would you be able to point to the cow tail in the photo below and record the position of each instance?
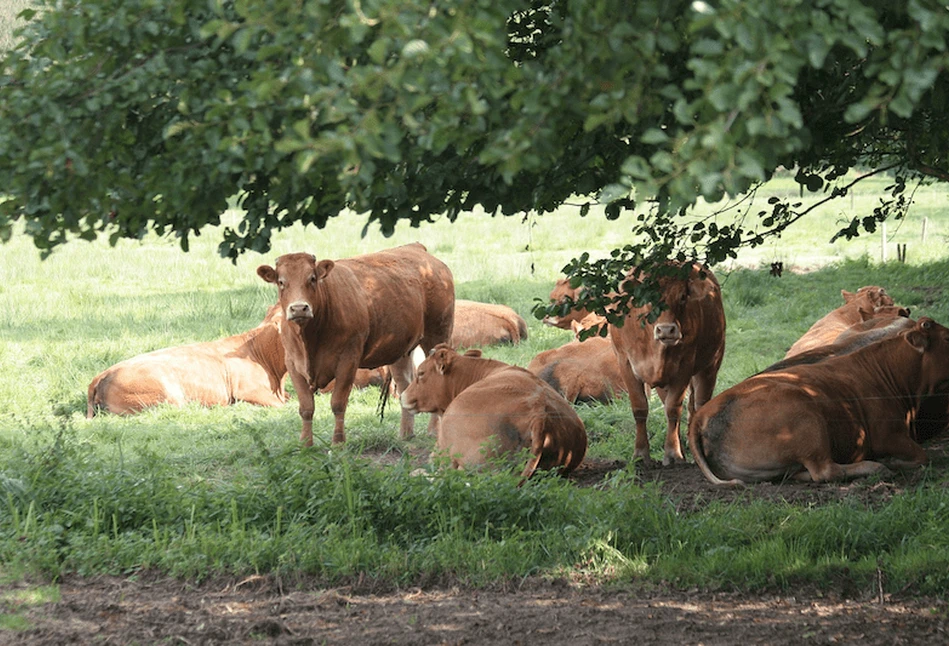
(91, 397)
(538, 440)
(384, 395)
(522, 329)
(698, 454)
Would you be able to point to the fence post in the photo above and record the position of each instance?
(883, 241)
(925, 227)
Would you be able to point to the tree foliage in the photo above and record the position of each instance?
(120, 116)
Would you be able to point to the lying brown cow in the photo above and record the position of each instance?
(245, 367)
(562, 293)
(361, 312)
(492, 409)
(827, 420)
(855, 309)
(480, 324)
(681, 350)
(581, 371)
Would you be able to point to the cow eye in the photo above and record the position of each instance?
(281, 283)
(926, 325)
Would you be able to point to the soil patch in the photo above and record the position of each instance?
(148, 609)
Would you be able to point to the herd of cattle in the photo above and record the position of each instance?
(854, 396)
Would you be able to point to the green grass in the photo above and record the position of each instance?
(195, 492)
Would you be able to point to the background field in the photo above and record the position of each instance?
(197, 492)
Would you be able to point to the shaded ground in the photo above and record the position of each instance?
(255, 611)
(258, 610)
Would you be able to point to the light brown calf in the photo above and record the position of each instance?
(581, 371)
(245, 367)
(854, 310)
(480, 324)
(491, 409)
(362, 312)
(828, 420)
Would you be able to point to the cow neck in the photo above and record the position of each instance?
(265, 348)
(896, 364)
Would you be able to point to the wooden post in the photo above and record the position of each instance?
(883, 241)
(901, 252)
(925, 226)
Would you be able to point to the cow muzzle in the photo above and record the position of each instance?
(408, 402)
(299, 312)
(667, 333)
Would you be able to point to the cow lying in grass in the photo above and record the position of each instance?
(490, 409)
(829, 420)
(582, 371)
(245, 367)
(855, 309)
(480, 324)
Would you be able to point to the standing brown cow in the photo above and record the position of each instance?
(681, 350)
(244, 367)
(828, 420)
(855, 309)
(492, 408)
(361, 312)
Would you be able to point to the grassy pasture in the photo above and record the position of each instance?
(196, 491)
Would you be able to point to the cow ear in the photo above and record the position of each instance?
(323, 268)
(443, 360)
(866, 314)
(918, 337)
(848, 296)
(268, 273)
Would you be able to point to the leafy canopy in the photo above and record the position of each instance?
(120, 116)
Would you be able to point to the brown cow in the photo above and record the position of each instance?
(855, 309)
(491, 409)
(245, 367)
(827, 420)
(362, 312)
(681, 350)
(480, 324)
(561, 293)
(581, 371)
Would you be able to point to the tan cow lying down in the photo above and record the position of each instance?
(855, 309)
(681, 350)
(581, 371)
(828, 420)
(492, 409)
(480, 324)
(245, 367)
(362, 312)
(562, 293)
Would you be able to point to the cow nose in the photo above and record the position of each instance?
(300, 309)
(667, 333)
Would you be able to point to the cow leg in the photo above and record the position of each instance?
(305, 399)
(672, 403)
(339, 400)
(639, 402)
(403, 371)
(822, 472)
(902, 452)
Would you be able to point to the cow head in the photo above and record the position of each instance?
(561, 294)
(931, 340)
(297, 276)
(430, 390)
(678, 293)
(871, 295)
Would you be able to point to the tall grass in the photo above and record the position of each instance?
(195, 492)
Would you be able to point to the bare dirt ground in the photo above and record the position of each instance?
(149, 609)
